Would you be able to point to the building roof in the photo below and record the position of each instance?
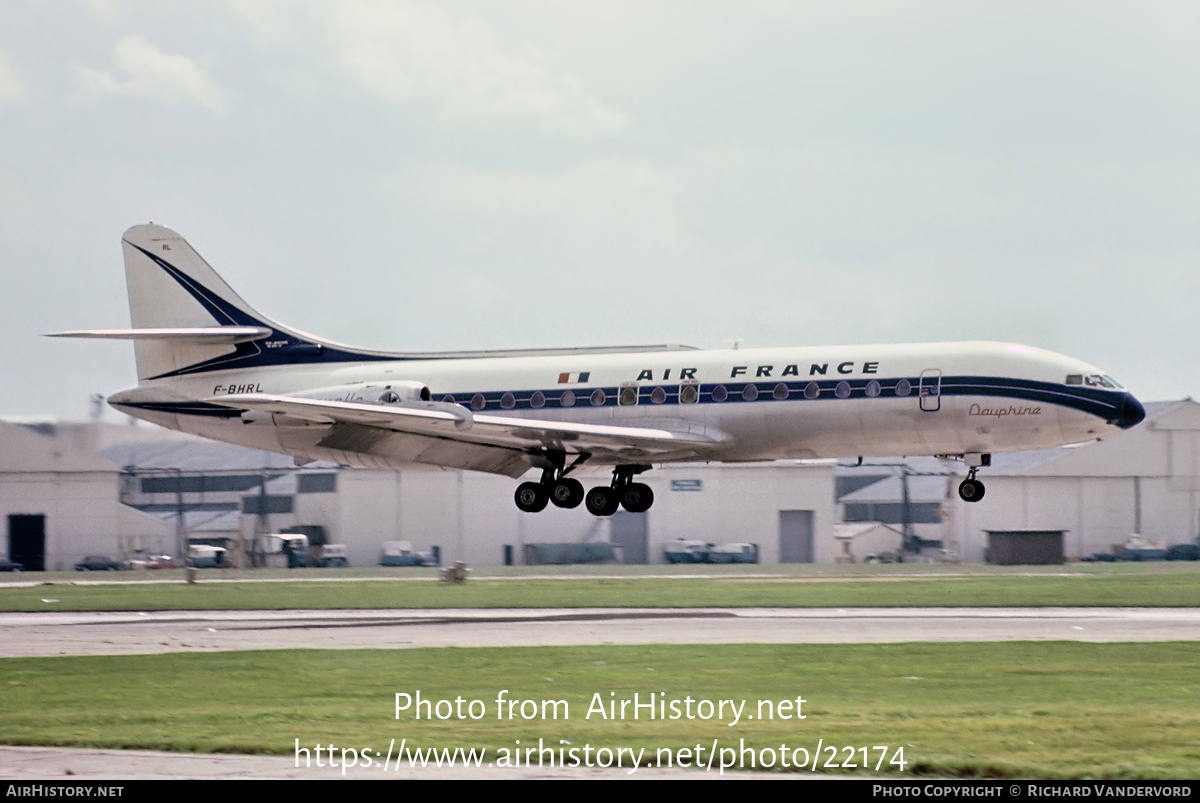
(196, 455)
(921, 488)
(202, 521)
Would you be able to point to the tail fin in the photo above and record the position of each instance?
(172, 287)
(187, 320)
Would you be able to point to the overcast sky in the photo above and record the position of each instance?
(460, 175)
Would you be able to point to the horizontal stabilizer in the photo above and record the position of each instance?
(203, 334)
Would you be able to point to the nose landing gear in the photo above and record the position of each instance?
(971, 489)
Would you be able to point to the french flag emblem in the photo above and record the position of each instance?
(570, 379)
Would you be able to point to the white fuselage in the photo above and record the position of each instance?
(812, 402)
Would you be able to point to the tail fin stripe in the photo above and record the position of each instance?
(249, 354)
(214, 304)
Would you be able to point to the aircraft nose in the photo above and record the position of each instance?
(1131, 412)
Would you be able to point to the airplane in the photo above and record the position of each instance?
(211, 365)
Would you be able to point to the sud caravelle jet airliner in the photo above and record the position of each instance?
(209, 364)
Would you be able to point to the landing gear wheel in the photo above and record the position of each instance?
(637, 497)
(567, 492)
(601, 501)
(531, 497)
(970, 490)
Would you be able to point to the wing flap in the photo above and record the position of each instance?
(455, 422)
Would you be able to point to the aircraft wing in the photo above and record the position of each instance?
(474, 439)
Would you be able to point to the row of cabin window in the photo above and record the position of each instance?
(688, 394)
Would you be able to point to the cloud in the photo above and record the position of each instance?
(176, 80)
(417, 53)
(10, 86)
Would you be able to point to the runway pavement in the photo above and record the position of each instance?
(111, 633)
(62, 766)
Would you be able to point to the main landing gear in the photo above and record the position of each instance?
(636, 497)
(567, 492)
(971, 489)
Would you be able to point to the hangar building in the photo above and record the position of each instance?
(72, 489)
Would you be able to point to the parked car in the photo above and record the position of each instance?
(401, 553)
(683, 550)
(333, 556)
(162, 562)
(97, 563)
(1184, 552)
(733, 553)
(204, 556)
(7, 565)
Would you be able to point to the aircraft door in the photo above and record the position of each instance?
(930, 390)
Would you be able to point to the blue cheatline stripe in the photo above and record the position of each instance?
(1105, 404)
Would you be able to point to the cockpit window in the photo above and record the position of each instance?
(1094, 381)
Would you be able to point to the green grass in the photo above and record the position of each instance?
(1015, 709)
(1136, 586)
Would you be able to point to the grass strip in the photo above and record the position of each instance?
(1177, 589)
(1014, 709)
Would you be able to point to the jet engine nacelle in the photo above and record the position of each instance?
(391, 392)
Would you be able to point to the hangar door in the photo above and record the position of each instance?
(27, 541)
(795, 536)
(628, 530)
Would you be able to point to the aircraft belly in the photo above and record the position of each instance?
(167, 420)
(815, 428)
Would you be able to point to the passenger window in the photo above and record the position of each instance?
(781, 392)
(812, 390)
(567, 399)
(478, 402)
(903, 387)
(537, 400)
(598, 397)
(749, 393)
(448, 399)
(508, 401)
(842, 391)
(658, 396)
(689, 393)
(873, 388)
(719, 393)
(627, 396)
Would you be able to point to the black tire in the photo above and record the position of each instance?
(601, 501)
(637, 497)
(970, 490)
(531, 497)
(567, 493)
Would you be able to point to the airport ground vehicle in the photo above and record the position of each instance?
(97, 563)
(333, 556)
(401, 553)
